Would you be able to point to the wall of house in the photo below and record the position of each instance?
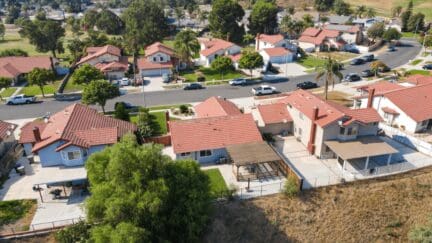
(28, 148)
(75, 162)
(103, 58)
(49, 157)
(277, 128)
(113, 75)
(155, 72)
(302, 125)
(307, 47)
(215, 156)
(207, 60)
(350, 38)
(159, 57)
(264, 45)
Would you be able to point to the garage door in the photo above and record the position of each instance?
(155, 72)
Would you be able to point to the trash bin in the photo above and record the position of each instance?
(30, 159)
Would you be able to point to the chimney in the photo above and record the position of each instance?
(36, 133)
(311, 143)
(167, 118)
(257, 42)
(370, 98)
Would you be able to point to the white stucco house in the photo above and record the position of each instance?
(276, 55)
(159, 59)
(263, 41)
(211, 48)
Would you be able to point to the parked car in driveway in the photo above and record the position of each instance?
(20, 99)
(124, 82)
(368, 57)
(366, 73)
(193, 86)
(238, 81)
(307, 85)
(427, 66)
(263, 90)
(166, 78)
(357, 61)
(352, 77)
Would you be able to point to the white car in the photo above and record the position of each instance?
(238, 81)
(123, 82)
(263, 90)
(20, 99)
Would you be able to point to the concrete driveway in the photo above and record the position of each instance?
(153, 84)
(291, 69)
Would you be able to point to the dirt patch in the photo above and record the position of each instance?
(379, 210)
(335, 96)
(21, 224)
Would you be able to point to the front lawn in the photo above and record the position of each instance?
(17, 210)
(158, 122)
(311, 61)
(338, 55)
(422, 72)
(35, 90)
(167, 107)
(209, 74)
(217, 182)
(8, 92)
(72, 87)
(415, 62)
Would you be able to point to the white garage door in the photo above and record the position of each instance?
(155, 72)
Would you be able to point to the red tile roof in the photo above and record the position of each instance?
(94, 52)
(365, 116)
(144, 64)
(277, 51)
(213, 132)
(10, 67)
(274, 113)
(214, 45)
(235, 57)
(216, 106)
(4, 128)
(121, 65)
(415, 101)
(27, 135)
(318, 39)
(419, 79)
(158, 47)
(273, 39)
(311, 31)
(381, 87)
(80, 125)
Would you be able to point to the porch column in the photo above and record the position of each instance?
(389, 159)
(367, 163)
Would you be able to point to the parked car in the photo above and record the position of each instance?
(126, 105)
(193, 86)
(263, 90)
(391, 49)
(238, 81)
(368, 58)
(166, 78)
(357, 61)
(20, 99)
(384, 69)
(307, 85)
(366, 73)
(352, 77)
(124, 81)
(353, 50)
(427, 66)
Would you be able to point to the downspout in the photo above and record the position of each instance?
(311, 143)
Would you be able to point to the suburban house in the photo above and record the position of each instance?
(408, 108)
(365, 23)
(274, 48)
(69, 136)
(277, 55)
(263, 41)
(339, 19)
(7, 137)
(159, 59)
(351, 34)
(216, 106)
(273, 119)
(16, 67)
(316, 39)
(108, 59)
(211, 48)
(418, 79)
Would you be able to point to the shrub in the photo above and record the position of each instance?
(291, 187)
(268, 137)
(200, 77)
(421, 233)
(79, 232)
(230, 192)
(184, 109)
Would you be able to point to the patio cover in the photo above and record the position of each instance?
(252, 153)
(59, 174)
(360, 148)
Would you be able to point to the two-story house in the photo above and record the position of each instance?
(274, 48)
(351, 34)
(211, 48)
(69, 136)
(159, 59)
(108, 59)
(316, 39)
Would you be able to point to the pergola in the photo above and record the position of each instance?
(259, 159)
(363, 147)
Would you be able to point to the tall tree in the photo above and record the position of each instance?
(376, 31)
(263, 18)
(392, 34)
(376, 66)
(323, 5)
(416, 22)
(98, 92)
(396, 11)
(144, 124)
(2, 31)
(186, 45)
(406, 15)
(360, 10)
(76, 48)
(89, 20)
(331, 73)
(143, 29)
(40, 77)
(370, 12)
(4, 84)
(109, 22)
(222, 64)
(251, 60)
(341, 7)
(224, 20)
(85, 74)
(152, 199)
(120, 112)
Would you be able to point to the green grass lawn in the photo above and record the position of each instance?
(311, 62)
(422, 72)
(210, 75)
(50, 88)
(8, 92)
(158, 122)
(11, 211)
(415, 62)
(217, 182)
(72, 87)
(167, 107)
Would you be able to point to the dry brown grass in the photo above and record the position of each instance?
(335, 96)
(382, 210)
(46, 238)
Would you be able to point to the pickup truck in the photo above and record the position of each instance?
(20, 99)
(263, 90)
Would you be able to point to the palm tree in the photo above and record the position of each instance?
(360, 10)
(370, 13)
(186, 44)
(376, 66)
(330, 72)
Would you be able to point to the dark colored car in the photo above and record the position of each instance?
(427, 67)
(368, 58)
(193, 86)
(307, 85)
(367, 73)
(352, 77)
(391, 49)
(126, 105)
(357, 61)
(353, 50)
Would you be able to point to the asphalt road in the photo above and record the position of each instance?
(393, 59)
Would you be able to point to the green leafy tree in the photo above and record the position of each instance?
(186, 45)
(331, 73)
(251, 60)
(248, 38)
(98, 92)
(392, 34)
(370, 12)
(79, 232)
(376, 66)
(323, 5)
(222, 64)
(109, 22)
(376, 31)
(144, 124)
(45, 35)
(13, 52)
(421, 233)
(416, 22)
(291, 27)
(405, 16)
(76, 48)
(224, 19)
(120, 112)
(89, 20)
(152, 199)
(4, 84)
(307, 21)
(85, 74)
(74, 25)
(263, 18)
(40, 77)
(341, 7)
(360, 10)
(2, 30)
(179, 14)
(96, 38)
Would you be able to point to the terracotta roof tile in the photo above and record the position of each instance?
(10, 67)
(277, 51)
(274, 113)
(216, 106)
(144, 64)
(381, 87)
(158, 47)
(273, 39)
(4, 128)
(419, 79)
(27, 135)
(94, 52)
(311, 31)
(214, 45)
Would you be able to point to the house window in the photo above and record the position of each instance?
(342, 131)
(349, 131)
(386, 115)
(301, 115)
(161, 59)
(73, 155)
(185, 154)
(358, 103)
(300, 131)
(154, 59)
(205, 153)
(425, 122)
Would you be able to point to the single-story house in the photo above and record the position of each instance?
(276, 55)
(365, 23)
(7, 137)
(316, 39)
(108, 59)
(69, 136)
(159, 59)
(211, 48)
(16, 67)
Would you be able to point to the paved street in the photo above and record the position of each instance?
(392, 59)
